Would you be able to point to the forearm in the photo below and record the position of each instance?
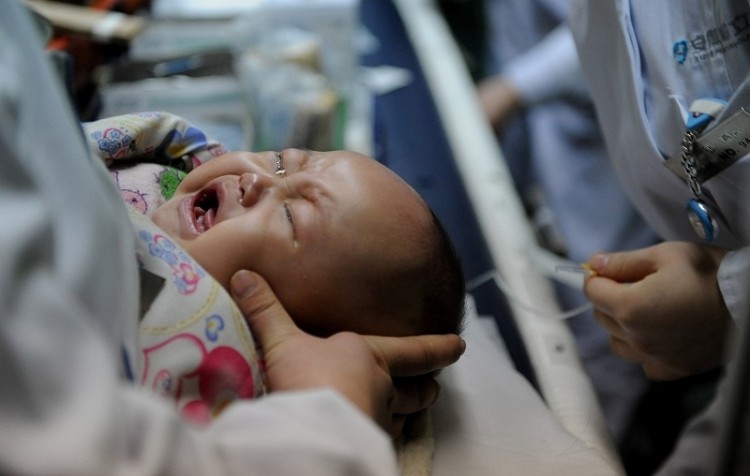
(548, 71)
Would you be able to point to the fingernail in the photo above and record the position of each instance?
(598, 262)
(463, 346)
(243, 283)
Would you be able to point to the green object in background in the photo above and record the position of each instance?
(169, 180)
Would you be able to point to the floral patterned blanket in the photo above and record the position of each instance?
(194, 345)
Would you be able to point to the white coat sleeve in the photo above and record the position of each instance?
(69, 305)
(549, 70)
(734, 282)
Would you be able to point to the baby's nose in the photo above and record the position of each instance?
(253, 186)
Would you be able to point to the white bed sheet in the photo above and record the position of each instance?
(490, 420)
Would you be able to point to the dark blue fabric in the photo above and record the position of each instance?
(410, 140)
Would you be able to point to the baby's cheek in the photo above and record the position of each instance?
(160, 217)
(226, 249)
(212, 259)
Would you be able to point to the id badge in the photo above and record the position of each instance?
(718, 149)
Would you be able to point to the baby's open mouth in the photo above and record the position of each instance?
(205, 207)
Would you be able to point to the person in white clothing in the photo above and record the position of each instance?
(538, 101)
(670, 84)
(69, 299)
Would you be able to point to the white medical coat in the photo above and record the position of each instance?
(611, 58)
(568, 158)
(69, 303)
(640, 136)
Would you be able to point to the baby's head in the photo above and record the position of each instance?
(343, 241)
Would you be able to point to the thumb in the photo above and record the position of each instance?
(269, 322)
(624, 267)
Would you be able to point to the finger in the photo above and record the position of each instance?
(658, 371)
(267, 318)
(609, 323)
(623, 349)
(414, 394)
(624, 267)
(606, 294)
(417, 355)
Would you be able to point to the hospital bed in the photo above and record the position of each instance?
(502, 411)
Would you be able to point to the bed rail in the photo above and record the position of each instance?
(512, 244)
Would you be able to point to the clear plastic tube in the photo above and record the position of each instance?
(494, 275)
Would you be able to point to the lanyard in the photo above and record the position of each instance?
(700, 215)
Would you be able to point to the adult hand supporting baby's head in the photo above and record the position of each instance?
(361, 368)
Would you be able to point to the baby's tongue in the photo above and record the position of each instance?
(209, 218)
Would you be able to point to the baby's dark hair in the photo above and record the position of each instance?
(443, 307)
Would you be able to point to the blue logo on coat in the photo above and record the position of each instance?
(680, 51)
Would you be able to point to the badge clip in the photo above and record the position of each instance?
(700, 216)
